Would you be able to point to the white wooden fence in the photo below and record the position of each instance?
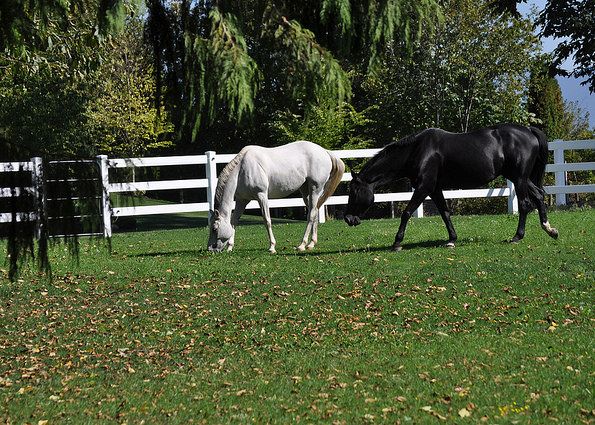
(210, 160)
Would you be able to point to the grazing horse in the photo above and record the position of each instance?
(435, 159)
(262, 173)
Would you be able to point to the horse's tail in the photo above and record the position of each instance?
(538, 171)
(337, 170)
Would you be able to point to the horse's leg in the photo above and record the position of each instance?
(311, 200)
(235, 219)
(263, 201)
(313, 218)
(438, 198)
(525, 205)
(537, 196)
(306, 196)
(416, 199)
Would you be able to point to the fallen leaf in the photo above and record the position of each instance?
(464, 413)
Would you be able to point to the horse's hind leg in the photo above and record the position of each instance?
(525, 205)
(311, 200)
(438, 198)
(263, 201)
(537, 196)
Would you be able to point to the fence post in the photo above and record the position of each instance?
(211, 171)
(39, 193)
(560, 175)
(322, 214)
(513, 202)
(106, 211)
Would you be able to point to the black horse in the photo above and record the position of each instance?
(434, 160)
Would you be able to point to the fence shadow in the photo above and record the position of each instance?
(180, 221)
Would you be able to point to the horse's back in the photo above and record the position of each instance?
(477, 157)
(284, 169)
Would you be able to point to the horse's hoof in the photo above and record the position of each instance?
(449, 245)
(553, 233)
(300, 248)
(396, 248)
(272, 251)
(310, 247)
(514, 241)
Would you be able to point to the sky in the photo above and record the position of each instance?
(571, 87)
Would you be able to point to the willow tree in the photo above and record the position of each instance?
(51, 46)
(224, 60)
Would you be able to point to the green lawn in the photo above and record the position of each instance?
(161, 331)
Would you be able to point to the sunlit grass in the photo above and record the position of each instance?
(162, 331)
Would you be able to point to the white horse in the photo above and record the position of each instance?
(262, 173)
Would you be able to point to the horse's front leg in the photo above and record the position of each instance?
(263, 201)
(416, 199)
(235, 220)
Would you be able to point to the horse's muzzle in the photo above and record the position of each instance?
(352, 220)
(216, 248)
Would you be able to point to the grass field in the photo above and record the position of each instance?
(161, 331)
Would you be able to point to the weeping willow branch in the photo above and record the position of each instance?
(220, 73)
(342, 10)
(314, 67)
(402, 20)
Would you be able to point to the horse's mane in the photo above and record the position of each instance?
(390, 149)
(224, 176)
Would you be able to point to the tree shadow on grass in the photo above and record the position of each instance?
(438, 243)
(202, 253)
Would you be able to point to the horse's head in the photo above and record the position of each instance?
(220, 232)
(361, 197)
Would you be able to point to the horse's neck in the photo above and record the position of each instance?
(225, 203)
(388, 167)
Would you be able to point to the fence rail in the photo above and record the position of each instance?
(211, 159)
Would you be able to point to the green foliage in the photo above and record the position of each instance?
(400, 21)
(572, 23)
(280, 55)
(471, 73)
(558, 119)
(547, 103)
(313, 68)
(111, 110)
(121, 114)
(224, 55)
(340, 127)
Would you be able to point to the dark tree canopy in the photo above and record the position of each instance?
(573, 23)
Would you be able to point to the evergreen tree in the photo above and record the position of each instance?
(547, 104)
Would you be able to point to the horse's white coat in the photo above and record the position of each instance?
(264, 173)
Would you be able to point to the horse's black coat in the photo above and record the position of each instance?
(434, 160)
